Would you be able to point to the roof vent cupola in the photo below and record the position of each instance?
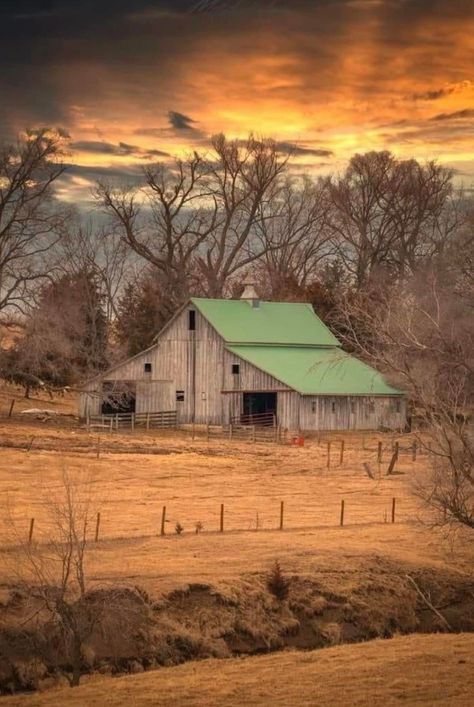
(250, 295)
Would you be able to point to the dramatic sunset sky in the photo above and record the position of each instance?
(131, 81)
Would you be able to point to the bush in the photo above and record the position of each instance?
(277, 583)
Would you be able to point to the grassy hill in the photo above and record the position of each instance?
(413, 670)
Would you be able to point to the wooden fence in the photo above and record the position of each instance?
(132, 420)
(341, 513)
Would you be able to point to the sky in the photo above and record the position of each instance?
(132, 82)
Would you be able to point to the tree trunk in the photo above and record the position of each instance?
(76, 660)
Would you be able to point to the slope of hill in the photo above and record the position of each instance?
(414, 670)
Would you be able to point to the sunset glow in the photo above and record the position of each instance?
(331, 76)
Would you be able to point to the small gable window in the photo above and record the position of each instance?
(180, 396)
(192, 320)
(147, 367)
(235, 369)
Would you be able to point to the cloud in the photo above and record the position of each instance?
(179, 121)
(434, 95)
(298, 149)
(456, 115)
(121, 149)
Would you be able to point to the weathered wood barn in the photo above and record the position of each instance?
(222, 361)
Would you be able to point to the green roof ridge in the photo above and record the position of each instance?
(238, 322)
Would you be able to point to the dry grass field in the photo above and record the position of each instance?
(413, 670)
(131, 476)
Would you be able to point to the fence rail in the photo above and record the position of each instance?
(131, 420)
(265, 419)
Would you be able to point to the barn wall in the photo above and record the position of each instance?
(351, 412)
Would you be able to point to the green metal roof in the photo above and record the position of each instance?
(316, 371)
(270, 323)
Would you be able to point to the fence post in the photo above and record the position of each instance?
(329, 456)
(396, 449)
(97, 526)
(341, 456)
(394, 500)
(98, 447)
(208, 430)
(413, 452)
(341, 520)
(148, 420)
(391, 466)
(111, 425)
(193, 431)
(222, 519)
(30, 534)
(230, 431)
(282, 505)
(116, 421)
(12, 405)
(163, 519)
(379, 453)
(133, 421)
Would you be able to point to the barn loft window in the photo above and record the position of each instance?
(333, 406)
(192, 320)
(180, 396)
(235, 369)
(147, 367)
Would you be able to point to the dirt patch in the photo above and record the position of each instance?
(198, 621)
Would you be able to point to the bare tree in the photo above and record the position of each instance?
(30, 219)
(62, 611)
(423, 338)
(295, 237)
(390, 214)
(245, 184)
(196, 221)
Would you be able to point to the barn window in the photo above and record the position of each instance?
(192, 320)
(333, 406)
(395, 405)
(180, 396)
(147, 367)
(235, 369)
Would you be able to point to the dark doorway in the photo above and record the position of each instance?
(259, 408)
(118, 396)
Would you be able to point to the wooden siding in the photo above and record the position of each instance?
(197, 363)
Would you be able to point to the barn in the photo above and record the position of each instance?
(246, 361)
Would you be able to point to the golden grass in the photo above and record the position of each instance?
(129, 490)
(414, 670)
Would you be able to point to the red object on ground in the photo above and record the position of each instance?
(298, 441)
